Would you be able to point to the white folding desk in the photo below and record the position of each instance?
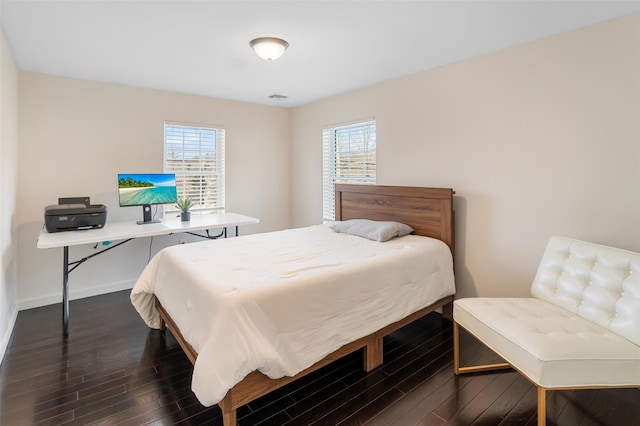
(127, 231)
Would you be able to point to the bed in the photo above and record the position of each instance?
(257, 312)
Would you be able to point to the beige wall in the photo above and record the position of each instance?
(8, 171)
(536, 140)
(76, 135)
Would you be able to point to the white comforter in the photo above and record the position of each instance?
(279, 302)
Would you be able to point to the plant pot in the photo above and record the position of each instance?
(185, 216)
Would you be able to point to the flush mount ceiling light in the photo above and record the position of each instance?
(269, 48)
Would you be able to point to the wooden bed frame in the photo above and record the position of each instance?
(429, 211)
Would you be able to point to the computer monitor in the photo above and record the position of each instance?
(146, 189)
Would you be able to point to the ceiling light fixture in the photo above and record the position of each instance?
(269, 48)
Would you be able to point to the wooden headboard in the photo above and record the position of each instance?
(429, 211)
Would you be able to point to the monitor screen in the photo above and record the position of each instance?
(145, 189)
(148, 188)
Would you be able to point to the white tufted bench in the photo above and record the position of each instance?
(580, 328)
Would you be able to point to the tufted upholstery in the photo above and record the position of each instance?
(599, 283)
(553, 347)
(581, 328)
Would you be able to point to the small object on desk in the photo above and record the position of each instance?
(184, 204)
(73, 214)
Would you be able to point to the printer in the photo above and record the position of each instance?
(75, 213)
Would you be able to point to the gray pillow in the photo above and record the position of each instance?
(372, 229)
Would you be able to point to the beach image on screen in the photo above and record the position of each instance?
(137, 189)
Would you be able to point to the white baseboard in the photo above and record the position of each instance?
(6, 336)
(36, 302)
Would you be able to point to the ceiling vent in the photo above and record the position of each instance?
(277, 96)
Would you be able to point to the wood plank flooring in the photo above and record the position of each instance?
(113, 370)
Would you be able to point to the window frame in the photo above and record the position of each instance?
(331, 148)
(202, 174)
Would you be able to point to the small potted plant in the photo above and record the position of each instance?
(184, 204)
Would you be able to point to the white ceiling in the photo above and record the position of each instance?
(202, 47)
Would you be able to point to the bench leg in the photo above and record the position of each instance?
(542, 406)
(542, 392)
(456, 349)
(473, 369)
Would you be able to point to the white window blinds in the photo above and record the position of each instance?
(349, 156)
(196, 155)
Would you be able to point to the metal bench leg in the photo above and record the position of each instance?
(542, 406)
(472, 369)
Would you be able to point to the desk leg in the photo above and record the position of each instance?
(65, 291)
(225, 231)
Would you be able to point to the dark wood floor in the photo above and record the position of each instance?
(114, 370)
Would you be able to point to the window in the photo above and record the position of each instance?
(349, 156)
(196, 155)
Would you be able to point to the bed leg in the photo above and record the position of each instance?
(156, 303)
(228, 412)
(373, 354)
(447, 311)
(229, 418)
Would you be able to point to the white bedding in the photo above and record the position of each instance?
(279, 302)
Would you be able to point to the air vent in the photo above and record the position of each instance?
(277, 96)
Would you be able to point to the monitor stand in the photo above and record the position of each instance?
(146, 215)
